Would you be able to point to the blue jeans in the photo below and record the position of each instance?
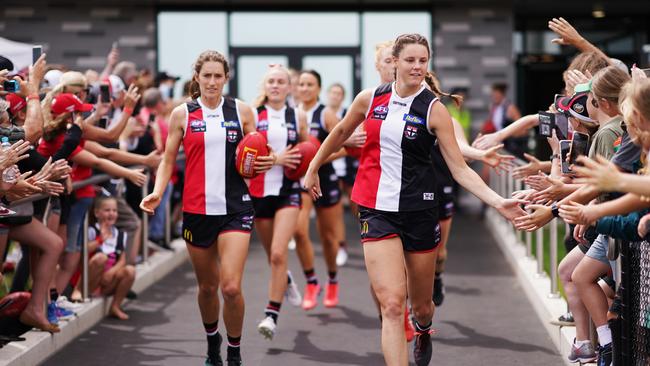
(157, 221)
(75, 224)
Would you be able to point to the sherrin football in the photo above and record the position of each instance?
(13, 304)
(307, 151)
(314, 141)
(249, 148)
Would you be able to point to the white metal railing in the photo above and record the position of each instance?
(98, 179)
(505, 184)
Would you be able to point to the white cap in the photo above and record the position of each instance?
(117, 85)
(51, 78)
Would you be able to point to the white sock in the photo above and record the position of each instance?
(604, 335)
(579, 344)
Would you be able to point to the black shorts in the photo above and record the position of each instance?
(419, 230)
(203, 230)
(329, 186)
(59, 205)
(266, 207)
(445, 201)
(351, 166)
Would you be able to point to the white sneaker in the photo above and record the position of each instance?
(341, 257)
(64, 303)
(293, 293)
(267, 328)
(292, 244)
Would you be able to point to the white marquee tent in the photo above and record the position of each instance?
(19, 53)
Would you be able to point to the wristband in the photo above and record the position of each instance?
(33, 97)
(555, 156)
(555, 210)
(128, 110)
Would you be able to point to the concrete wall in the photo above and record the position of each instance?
(80, 36)
(472, 45)
(473, 49)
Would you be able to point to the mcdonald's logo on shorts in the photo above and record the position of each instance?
(364, 227)
(187, 235)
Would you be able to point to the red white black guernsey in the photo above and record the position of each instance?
(212, 184)
(316, 121)
(395, 170)
(280, 127)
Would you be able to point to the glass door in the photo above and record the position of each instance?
(335, 64)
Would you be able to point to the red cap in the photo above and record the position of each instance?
(67, 102)
(16, 103)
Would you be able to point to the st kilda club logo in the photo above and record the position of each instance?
(410, 132)
(232, 135)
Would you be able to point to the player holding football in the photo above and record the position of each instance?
(217, 208)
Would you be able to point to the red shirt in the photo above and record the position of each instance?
(79, 172)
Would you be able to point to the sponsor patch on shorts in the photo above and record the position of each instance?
(247, 222)
(294, 199)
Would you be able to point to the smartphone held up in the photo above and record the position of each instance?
(553, 121)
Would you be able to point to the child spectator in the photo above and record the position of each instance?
(108, 270)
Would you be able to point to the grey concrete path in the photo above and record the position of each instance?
(485, 319)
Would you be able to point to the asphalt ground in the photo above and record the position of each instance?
(485, 319)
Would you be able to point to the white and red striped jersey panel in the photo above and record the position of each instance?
(395, 170)
(212, 184)
(280, 127)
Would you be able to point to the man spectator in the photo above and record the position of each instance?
(502, 114)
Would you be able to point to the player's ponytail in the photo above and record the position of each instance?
(434, 84)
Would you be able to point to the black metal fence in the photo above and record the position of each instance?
(635, 292)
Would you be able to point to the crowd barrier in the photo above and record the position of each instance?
(635, 309)
(97, 180)
(632, 275)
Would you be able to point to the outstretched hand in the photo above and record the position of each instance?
(511, 209)
(600, 173)
(577, 214)
(533, 166)
(551, 193)
(567, 34)
(486, 141)
(500, 162)
(538, 217)
(150, 203)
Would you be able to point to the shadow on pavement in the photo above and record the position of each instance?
(472, 338)
(352, 316)
(305, 347)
